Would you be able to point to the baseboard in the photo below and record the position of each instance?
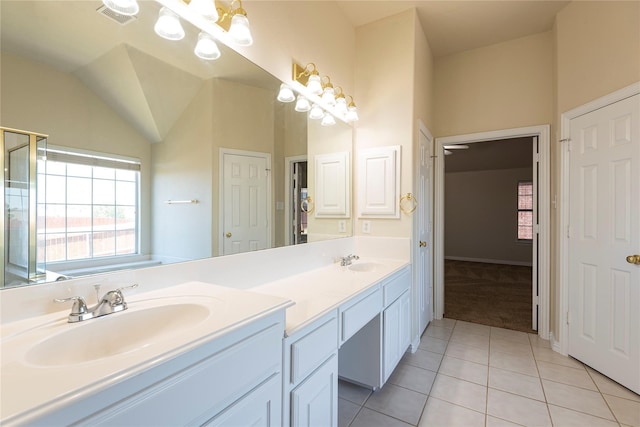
(555, 345)
(489, 261)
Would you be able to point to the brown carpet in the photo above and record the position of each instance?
(489, 294)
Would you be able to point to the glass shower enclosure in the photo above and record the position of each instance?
(22, 157)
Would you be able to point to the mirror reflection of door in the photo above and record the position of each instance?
(246, 201)
(300, 193)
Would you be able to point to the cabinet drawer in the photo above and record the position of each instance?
(310, 351)
(357, 315)
(396, 286)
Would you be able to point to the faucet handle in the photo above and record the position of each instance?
(135, 285)
(79, 304)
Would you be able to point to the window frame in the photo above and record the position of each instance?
(518, 210)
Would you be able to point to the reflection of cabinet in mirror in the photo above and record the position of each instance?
(333, 199)
(22, 248)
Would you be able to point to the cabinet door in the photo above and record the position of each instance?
(315, 401)
(260, 408)
(396, 333)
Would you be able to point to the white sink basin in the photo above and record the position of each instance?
(115, 334)
(364, 266)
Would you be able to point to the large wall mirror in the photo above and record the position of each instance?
(153, 154)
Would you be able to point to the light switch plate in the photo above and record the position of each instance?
(342, 226)
(366, 227)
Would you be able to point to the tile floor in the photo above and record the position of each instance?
(464, 374)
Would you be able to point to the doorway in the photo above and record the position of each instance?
(540, 252)
(489, 236)
(296, 192)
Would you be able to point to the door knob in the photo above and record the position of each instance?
(633, 259)
(228, 234)
(423, 244)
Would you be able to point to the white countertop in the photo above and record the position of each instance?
(320, 290)
(28, 388)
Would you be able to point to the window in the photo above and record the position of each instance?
(89, 208)
(525, 210)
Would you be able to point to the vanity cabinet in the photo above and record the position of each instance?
(310, 392)
(233, 379)
(372, 353)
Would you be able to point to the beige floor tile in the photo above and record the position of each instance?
(439, 413)
(473, 328)
(548, 355)
(608, 386)
(563, 374)
(347, 411)
(626, 411)
(578, 399)
(536, 341)
(508, 334)
(512, 362)
(438, 332)
(464, 370)
(353, 393)
(423, 359)
(398, 402)
(567, 418)
(413, 378)
(433, 344)
(467, 352)
(460, 392)
(513, 382)
(470, 339)
(444, 323)
(517, 409)
(368, 418)
(498, 422)
(508, 346)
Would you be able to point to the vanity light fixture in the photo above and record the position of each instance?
(316, 112)
(328, 120)
(341, 102)
(234, 21)
(308, 76)
(286, 94)
(168, 25)
(206, 48)
(123, 7)
(302, 104)
(352, 112)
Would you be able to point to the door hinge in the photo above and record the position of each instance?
(568, 231)
(568, 318)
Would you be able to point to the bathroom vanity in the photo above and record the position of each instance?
(233, 353)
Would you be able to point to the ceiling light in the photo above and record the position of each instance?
(302, 104)
(328, 120)
(205, 8)
(206, 48)
(168, 25)
(286, 94)
(316, 112)
(448, 153)
(123, 7)
(456, 147)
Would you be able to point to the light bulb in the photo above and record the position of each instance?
(314, 85)
(328, 120)
(302, 104)
(168, 25)
(123, 7)
(316, 112)
(206, 48)
(205, 8)
(352, 114)
(286, 94)
(240, 31)
(328, 96)
(341, 105)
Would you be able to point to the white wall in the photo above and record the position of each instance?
(481, 216)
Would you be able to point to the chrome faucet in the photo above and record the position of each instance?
(348, 259)
(111, 302)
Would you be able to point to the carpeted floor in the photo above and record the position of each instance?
(489, 294)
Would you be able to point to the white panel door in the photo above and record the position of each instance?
(245, 203)
(604, 218)
(423, 211)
